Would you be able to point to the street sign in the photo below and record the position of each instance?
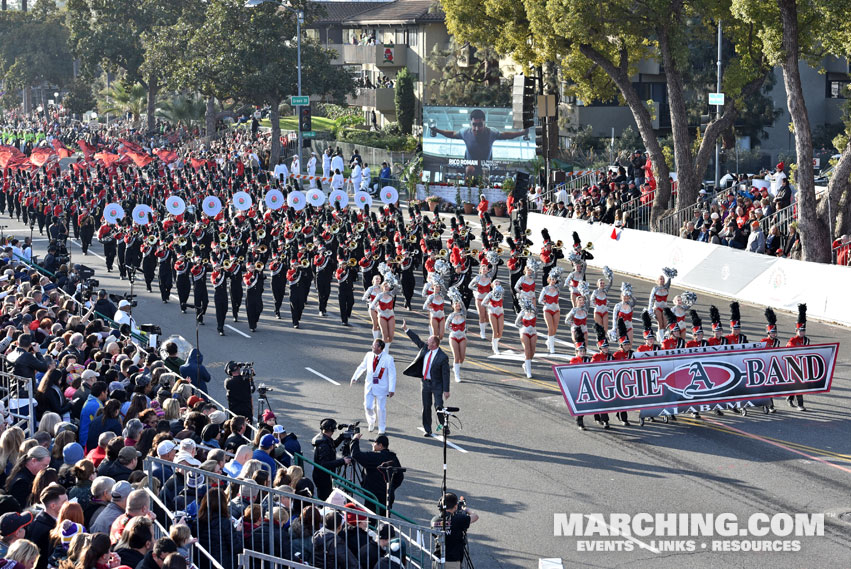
(309, 134)
(716, 99)
(297, 100)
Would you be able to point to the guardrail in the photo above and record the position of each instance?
(672, 223)
(16, 394)
(233, 517)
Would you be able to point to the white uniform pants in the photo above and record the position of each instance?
(370, 402)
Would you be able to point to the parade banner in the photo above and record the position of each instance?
(696, 379)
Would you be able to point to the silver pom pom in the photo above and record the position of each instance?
(534, 264)
(442, 268)
(584, 289)
(574, 258)
(383, 269)
(496, 292)
(626, 288)
(608, 274)
(669, 272)
(390, 279)
(689, 299)
(527, 302)
(492, 257)
(454, 295)
(555, 273)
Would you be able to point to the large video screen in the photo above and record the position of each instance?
(460, 142)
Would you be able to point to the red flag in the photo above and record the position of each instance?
(167, 156)
(615, 234)
(139, 158)
(126, 147)
(196, 163)
(87, 150)
(108, 158)
(41, 156)
(8, 154)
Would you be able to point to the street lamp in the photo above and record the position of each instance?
(299, 19)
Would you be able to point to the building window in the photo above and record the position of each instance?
(412, 38)
(838, 88)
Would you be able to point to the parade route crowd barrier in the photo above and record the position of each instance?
(714, 269)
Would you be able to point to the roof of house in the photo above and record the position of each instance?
(342, 12)
(399, 12)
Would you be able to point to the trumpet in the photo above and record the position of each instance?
(261, 234)
(527, 232)
(335, 228)
(190, 254)
(589, 246)
(297, 226)
(305, 263)
(382, 225)
(352, 262)
(412, 238)
(259, 266)
(435, 235)
(262, 249)
(359, 227)
(151, 240)
(352, 244)
(383, 239)
(464, 232)
(526, 252)
(559, 244)
(441, 254)
(400, 258)
(181, 242)
(202, 246)
(309, 246)
(241, 258)
(223, 237)
(227, 264)
(474, 252)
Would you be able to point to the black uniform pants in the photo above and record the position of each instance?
(346, 297)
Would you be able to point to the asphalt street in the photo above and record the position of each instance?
(517, 456)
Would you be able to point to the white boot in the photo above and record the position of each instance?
(387, 347)
(551, 344)
(527, 365)
(376, 334)
(482, 331)
(457, 369)
(495, 346)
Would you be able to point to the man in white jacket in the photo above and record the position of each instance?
(380, 384)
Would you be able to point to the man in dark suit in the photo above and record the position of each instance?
(431, 366)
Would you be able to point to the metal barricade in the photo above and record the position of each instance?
(247, 523)
(16, 394)
(673, 223)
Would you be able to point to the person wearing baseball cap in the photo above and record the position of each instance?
(122, 316)
(12, 528)
(264, 453)
(375, 465)
(166, 451)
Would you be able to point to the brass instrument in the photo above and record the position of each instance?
(202, 246)
(359, 227)
(559, 244)
(464, 232)
(151, 240)
(528, 232)
(227, 264)
(383, 240)
(261, 234)
(335, 228)
(352, 244)
(309, 246)
(400, 258)
(441, 254)
(589, 246)
(305, 263)
(223, 237)
(474, 252)
(526, 252)
(435, 235)
(382, 225)
(190, 254)
(499, 250)
(259, 266)
(181, 241)
(241, 258)
(262, 249)
(412, 238)
(352, 262)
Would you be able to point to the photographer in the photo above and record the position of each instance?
(459, 519)
(325, 455)
(28, 360)
(239, 388)
(379, 465)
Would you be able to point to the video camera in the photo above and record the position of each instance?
(116, 298)
(262, 389)
(349, 431)
(245, 368)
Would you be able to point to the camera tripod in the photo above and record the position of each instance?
(262, 405)
(388, 471)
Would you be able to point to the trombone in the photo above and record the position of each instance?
(352, 262)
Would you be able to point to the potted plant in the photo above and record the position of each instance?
(499, 209)
(468, 207)
(433, 202)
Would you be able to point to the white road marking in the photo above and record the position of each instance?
(240, 332)
(74, 241)
(325, 377)
(448, 442)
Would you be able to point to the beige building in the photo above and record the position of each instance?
(374, 40)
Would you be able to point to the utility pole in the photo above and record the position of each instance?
(718, 114)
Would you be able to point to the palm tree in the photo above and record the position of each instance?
(186, 110)
(123, 100)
